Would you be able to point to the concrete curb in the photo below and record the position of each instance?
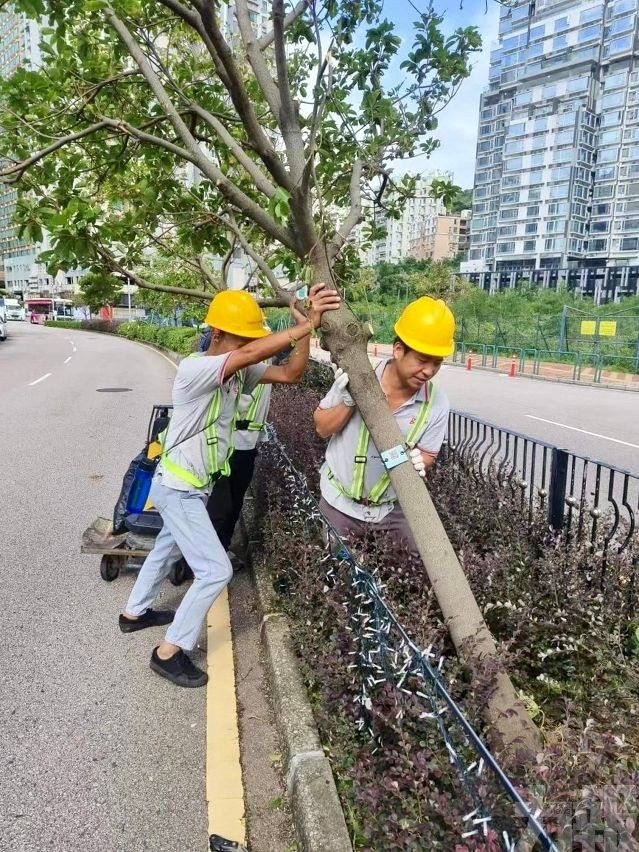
(317, 812)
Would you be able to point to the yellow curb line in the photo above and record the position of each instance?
(224, 788)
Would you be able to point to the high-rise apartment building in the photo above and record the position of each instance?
(417, 213)
(557, 167)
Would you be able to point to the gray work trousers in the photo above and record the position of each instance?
(394, 524)
(187, 529)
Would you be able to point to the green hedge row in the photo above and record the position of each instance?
(182, 340)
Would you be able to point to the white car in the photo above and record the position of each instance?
(3, 328)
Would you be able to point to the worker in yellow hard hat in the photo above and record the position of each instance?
(197, 448)
(355, 487)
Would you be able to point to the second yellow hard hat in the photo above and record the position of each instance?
(237, 312)
(428, 326)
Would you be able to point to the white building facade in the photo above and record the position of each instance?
(557, 164)
(418, 214)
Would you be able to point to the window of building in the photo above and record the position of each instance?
(560, 174)
(506, 248)
(535, 176)
(613, 99)
(535, 50)
(510, 198)
(531, 228)
(520, 13)
(533, 210)
(618, 45)
(559, 190)
(534, 195)
(621, 6)
(537, 32)
(562, 156)
(616, 81)
(555, 226)
(590, 15)
(549, 92)
(630, 244)
(620, 25)
(606, 173)
(529, 245)
(588, 33)
(514, 164)
(631, 225)
(600, 227)
(603, 191)
(514, 147)
(601, 209)
(537, 159)
(609, 119)
(507, 231)
(600, 244)
(608, 155)
(560, 42)
(509, 213)
(516, 129)
(558, 208)
(578, 84)
(511, 180)
(609, 137)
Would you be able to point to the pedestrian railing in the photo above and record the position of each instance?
(583, 498)
(589, 366)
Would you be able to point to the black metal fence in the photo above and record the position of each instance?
(579, 496)
(602, 284)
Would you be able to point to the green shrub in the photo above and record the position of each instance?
(64, 323)
(179, 340)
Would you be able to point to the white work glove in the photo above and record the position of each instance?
(341, 383)
(417, 460)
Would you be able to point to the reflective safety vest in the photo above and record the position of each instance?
(378, 490)
(248, 417)
(216, 466)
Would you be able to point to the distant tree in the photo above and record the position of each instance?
(99, 289)
(462, 201)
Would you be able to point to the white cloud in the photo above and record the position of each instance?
(457, 131)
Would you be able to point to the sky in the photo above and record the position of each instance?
(457, 131)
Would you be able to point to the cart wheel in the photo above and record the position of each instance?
(109, 568)
(180, 572)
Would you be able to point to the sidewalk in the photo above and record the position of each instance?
(553, 371)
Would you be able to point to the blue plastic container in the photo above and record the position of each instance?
(141, 485)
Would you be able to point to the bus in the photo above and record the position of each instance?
(48, 309)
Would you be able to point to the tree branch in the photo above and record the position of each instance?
(226, 187)
(289, 19)
(250, 167)
(355, 213)
(207, 272)
(18, 169)
(113, 264)
(288, 117)
(256, 58)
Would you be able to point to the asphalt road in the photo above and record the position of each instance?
(98, 754)
(599, 423)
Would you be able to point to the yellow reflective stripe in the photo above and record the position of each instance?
(184, 474)
(413, 433)
(361, 450)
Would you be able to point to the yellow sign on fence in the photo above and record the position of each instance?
(588, 327)
(608, 328)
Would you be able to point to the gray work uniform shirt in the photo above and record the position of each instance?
(197, 379)
(248, 439)
(340, 453)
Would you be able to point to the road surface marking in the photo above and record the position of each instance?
(74, 349)
(224, 785)
(41, 379)
(68, 359)
(584, 431)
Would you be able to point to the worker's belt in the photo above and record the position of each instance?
(361, 501)
(248, 426)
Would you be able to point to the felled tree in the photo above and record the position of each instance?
(289, 137)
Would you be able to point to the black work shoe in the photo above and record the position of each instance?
(221, 844)
(179, 669)
(150, 618)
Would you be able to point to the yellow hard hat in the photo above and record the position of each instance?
(237, 312)
(427, 326)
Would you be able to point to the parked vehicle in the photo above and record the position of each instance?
(48, 309)
(14, 310)
(3, 328)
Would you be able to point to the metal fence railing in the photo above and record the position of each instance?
(584, 498)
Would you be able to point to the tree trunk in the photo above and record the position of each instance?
(513, 731)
